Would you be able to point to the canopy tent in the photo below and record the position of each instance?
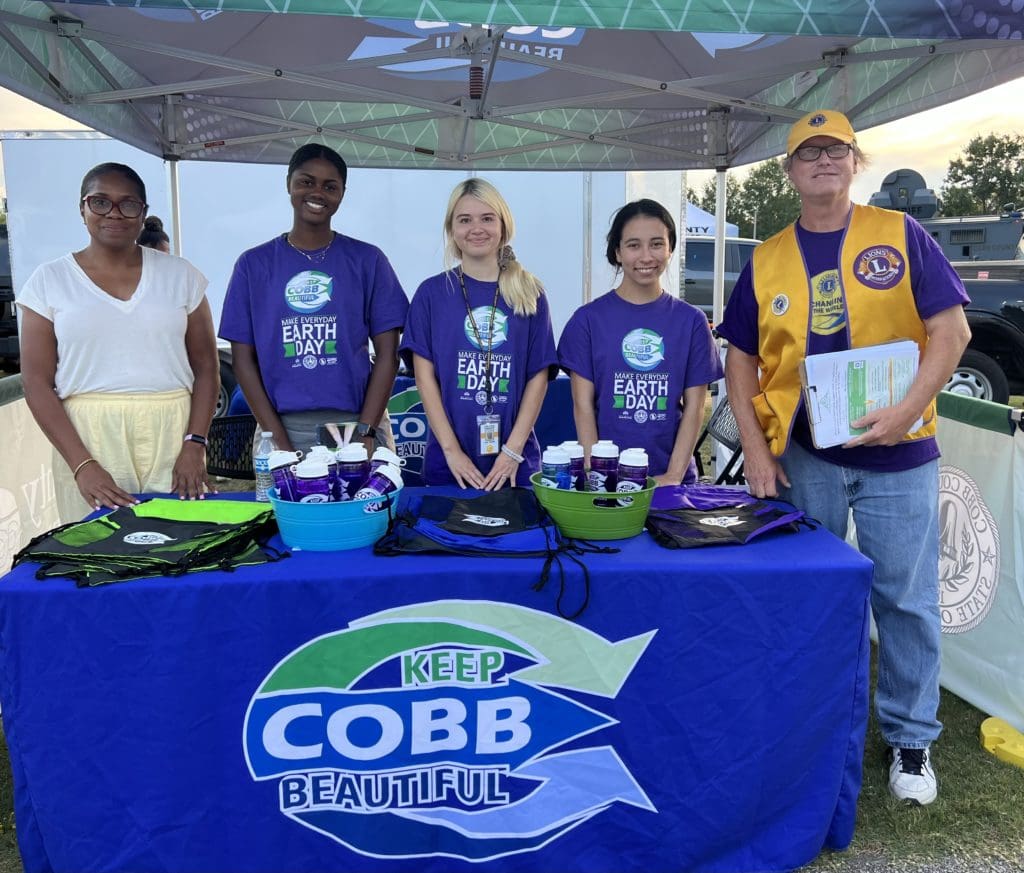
(700, 222)
(571, 85)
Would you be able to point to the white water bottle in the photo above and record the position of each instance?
(261, 465)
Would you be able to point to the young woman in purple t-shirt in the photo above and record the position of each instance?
(640, 359)
(301, 311)
(482, 348)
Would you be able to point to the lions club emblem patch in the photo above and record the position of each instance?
(780, 304)
(880, 267)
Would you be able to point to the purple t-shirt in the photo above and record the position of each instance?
(311, 323)
(935, 285)
(641, 358)
(439, 329)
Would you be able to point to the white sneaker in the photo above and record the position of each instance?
(911, 776)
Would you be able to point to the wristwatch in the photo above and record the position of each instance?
(196, 438)
(365, 430)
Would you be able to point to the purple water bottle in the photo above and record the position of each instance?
(312, 481)
(604, 465)
(383, 455)
(327, 456)
(383, 480)
(577, 472)
(631, 474)
(353, 469)
(282, 472)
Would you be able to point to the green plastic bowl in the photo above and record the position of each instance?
(580, 513)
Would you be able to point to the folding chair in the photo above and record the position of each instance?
(722, 428)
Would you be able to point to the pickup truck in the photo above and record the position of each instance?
(992, 367)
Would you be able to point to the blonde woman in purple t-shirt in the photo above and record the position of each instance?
(482, 348)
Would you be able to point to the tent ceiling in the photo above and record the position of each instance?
(615, 86)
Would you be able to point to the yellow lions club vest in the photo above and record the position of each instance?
(875, 284)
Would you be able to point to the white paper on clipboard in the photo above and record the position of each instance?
(840, 387)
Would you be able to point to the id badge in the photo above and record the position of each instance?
(489, 427)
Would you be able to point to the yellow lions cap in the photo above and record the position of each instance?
(820, 122)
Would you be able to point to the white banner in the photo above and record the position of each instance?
(27, 504)
(981, 566)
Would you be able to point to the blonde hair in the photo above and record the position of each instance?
(520, 289)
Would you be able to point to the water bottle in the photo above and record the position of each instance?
(283, 474)
(604, 464)
(384, 480)
(555, 469)
(353, 469)
(576, 471)
(261, 465)
(631, 473)
(324, 454)
(312, 482)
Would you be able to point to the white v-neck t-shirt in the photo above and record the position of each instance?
(118, 346)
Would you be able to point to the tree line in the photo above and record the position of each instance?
(986, 179)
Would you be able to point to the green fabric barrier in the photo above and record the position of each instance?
(975, 412)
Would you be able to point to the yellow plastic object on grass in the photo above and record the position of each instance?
(1003, 741)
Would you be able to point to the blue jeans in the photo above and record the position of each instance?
(896, 515)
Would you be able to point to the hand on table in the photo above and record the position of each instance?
(99, 489)
(502, 473)
(189, 478)
(463, 469)
(763, 473)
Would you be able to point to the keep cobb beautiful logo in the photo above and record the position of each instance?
(431, 730)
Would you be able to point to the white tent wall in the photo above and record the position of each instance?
(226, 208)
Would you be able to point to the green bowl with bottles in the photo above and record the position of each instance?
(596, 515)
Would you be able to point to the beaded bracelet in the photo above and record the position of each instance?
(78, 469)
(515, 456)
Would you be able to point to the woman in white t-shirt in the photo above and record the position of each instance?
(118, 357)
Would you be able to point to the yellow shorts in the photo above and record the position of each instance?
(136, 437)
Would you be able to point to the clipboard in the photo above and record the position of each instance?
(840, 387)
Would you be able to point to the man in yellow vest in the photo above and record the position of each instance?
(845, 276)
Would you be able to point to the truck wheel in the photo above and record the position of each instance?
(978, 375)
(227, 388)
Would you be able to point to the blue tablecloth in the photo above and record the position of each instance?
(339, 711)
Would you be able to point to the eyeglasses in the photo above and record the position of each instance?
(835, 151)
(100, 205)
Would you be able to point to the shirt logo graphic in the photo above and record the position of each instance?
(780, 304)
(482, 317)
(828, 310)
(879, 267)
(643, 349)
(308, 291)
(455, 729)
